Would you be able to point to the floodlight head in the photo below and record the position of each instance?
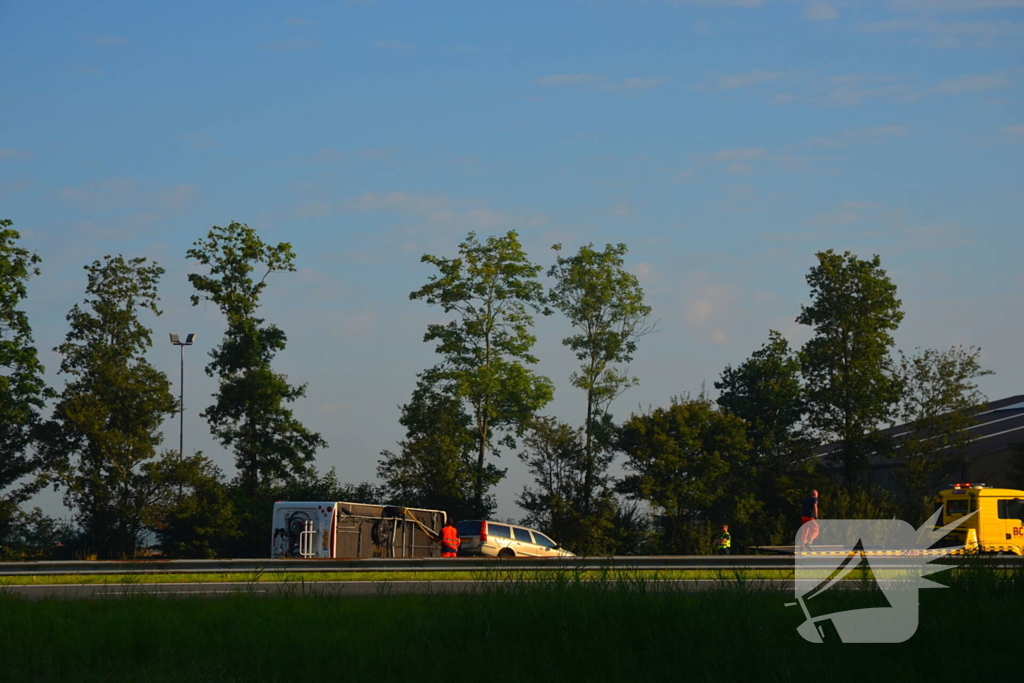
(174, 338)
(190, 338)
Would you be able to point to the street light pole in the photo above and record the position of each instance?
(181, 401)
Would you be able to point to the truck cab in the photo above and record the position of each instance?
(997, 522)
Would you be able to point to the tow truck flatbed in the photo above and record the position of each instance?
(876, 551)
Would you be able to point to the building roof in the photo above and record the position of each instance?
(998, 425)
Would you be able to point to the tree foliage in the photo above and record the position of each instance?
(847, 366)
(491, 288)
(939, 399)
(106, 424)
(766, 392)
(555, 455)
(22, 388)
(250, 414)
(683, 460)
(605, 304)
(314, 485)
(435, 467)
(192, 515)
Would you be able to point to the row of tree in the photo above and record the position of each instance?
(746, 459)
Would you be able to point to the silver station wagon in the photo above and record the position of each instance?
(500, 539)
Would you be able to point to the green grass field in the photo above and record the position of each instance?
(559, 630)
(495, 574)
(466, 575)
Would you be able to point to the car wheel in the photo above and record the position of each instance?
(506, 552)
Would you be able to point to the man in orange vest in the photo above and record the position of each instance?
(449, 540)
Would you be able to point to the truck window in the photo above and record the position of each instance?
(1011, 509)
(956, 507)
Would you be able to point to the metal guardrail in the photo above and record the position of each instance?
(467, 564)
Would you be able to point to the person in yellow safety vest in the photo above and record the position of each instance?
(723, 542)
(450, 540)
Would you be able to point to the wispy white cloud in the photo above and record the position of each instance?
(299, 21)
(117, 194)
(682, 176)
(178, 197)
(621, 210)
(745, 79)
(8, 154)
(750, 4)
(9, 189)
(567, 79)
(87, 69)
(393, 45)
(600, 82)
(199, 140)
(646, 273)
(861, 136)
(827, 220)
(332, 155)
(431, 214)
(820, 10)
(972, 83)
(290, 45)
(108, 41)
(634, 83)
(710, 307)
(1015, 133)
(949, 34)
(939, 6)
(747, 154)
(848, 90)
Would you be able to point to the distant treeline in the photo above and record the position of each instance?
(746, 459)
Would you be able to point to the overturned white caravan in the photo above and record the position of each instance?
(316, 529)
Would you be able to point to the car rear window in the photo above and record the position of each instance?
(469, 528)
(498, 530)
(522, 535)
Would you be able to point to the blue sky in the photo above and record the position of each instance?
(724, 142)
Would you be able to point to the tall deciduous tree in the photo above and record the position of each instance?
(192, 515)
(847, 366)
(683, 460)
(605, 305)
(765, 390)
(491, 288)
(555, 454)
(939, 398)
(22, 389)
(435, 467)
(106, 424)
(250, 413)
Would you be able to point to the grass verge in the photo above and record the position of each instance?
(564, 629)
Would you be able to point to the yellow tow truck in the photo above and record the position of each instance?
(998, 526)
